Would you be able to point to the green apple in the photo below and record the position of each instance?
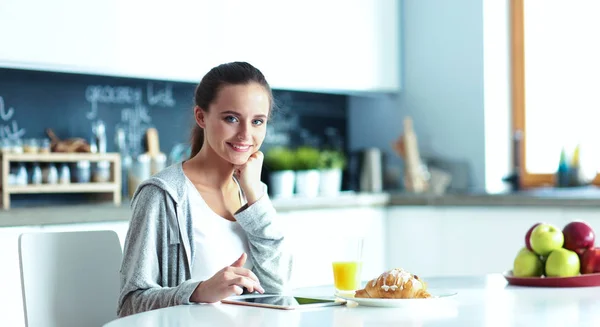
(562, 263)
(527, 264)
(546, 238)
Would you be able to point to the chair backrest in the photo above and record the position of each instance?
(70, 278)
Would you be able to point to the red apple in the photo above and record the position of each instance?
(528, 237)
(590, 261)
(579, 236)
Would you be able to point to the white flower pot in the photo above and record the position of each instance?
(330, 181)
(282, 183)
(307, 183)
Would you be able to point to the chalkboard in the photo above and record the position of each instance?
(32, 101)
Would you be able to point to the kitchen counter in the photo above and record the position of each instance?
(588, 197)
(88, 213)
(103, 212)
(542, 198)
(64, 214)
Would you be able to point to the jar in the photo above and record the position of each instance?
(157, 163)
(64, 177)
(44, 146)
(51, 176)
(30, 146)
(21, 176)
(125, 165)
(17, 146)
(102, 172)
(83, 174)
(6, 146)
(36, 174)
(138, 172)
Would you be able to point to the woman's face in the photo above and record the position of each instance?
(236, 122)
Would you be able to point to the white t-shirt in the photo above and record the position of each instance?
(219, 242)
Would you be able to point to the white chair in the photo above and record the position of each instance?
(70, 278)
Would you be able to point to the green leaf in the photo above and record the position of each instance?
(331, 159)
(280, 158)
(307, 158)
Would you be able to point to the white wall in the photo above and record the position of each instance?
(496, 50)
(454, 85)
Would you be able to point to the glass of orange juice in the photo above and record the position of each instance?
(347, 264)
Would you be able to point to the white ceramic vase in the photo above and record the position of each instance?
(307, 183)
(330, 181)
(282, 183)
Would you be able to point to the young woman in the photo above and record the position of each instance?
(205, 229)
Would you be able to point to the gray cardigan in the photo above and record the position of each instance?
(159, 247)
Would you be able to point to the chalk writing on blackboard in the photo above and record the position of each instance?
(135, 121)
(135, 113)
(5, 114)
(9, 128)
(161, 97)
(96, 94)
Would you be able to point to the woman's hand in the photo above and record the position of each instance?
(248, 176)
(226, 282)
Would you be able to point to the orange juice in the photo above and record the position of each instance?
(346, 275)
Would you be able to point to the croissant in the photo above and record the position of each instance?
(395, 284)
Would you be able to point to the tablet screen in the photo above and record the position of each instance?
(282, 301)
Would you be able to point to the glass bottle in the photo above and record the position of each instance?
(36, 174)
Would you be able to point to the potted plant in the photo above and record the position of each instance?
(307, 171)
(332, 163)
(281, 163)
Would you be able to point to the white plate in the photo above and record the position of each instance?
(438, 297)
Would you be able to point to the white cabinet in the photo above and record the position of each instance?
(323, 46)
(479, 240)
(320, 45)
(145, 39)
(61, 35)
(175, 40)
(314, 238)
(414, 239)
(443, 241)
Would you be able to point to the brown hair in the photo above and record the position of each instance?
(233, 73)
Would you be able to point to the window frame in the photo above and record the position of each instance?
(517, 54)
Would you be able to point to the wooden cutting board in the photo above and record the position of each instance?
(415, 181)
(157, 158)
(152, 142)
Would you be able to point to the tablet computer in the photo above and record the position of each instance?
(285, 302)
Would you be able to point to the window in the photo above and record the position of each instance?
(555, 85)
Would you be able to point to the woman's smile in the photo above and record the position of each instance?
(239, 147)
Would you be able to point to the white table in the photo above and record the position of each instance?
(481, 301)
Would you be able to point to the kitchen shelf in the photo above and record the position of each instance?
(60, 157)
(113, 186)
(61, 188)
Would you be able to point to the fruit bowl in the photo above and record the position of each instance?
(584, 280)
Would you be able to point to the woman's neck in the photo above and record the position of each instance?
(210, 170)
